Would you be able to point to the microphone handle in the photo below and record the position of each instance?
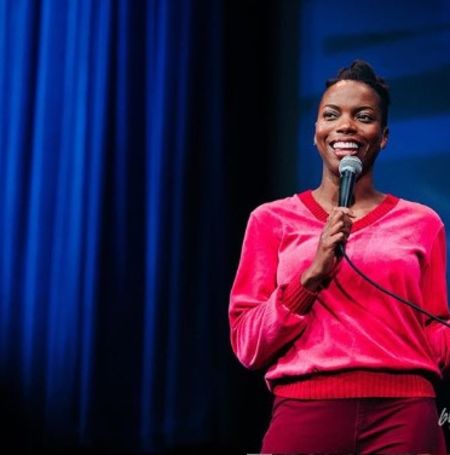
(345, 200)
(346, 188)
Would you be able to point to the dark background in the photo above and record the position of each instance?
(136, 138)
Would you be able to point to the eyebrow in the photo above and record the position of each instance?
(359, 108)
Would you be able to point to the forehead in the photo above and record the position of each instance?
(350, 93)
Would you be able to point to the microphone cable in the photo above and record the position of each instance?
(395, 296)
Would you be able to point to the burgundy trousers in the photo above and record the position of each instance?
(354, 425)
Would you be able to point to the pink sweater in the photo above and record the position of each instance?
(348, 340)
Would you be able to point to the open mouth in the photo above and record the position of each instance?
(345, 148)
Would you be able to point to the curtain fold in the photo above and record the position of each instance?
(52, 166)
(111, 209)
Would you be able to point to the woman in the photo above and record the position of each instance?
(351, 368)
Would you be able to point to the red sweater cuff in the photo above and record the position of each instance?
(297, 298)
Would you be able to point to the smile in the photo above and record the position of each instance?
(345, 148)
(345, 145)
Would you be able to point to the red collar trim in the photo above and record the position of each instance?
(388, 203)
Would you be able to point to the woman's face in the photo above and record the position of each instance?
(349, 122)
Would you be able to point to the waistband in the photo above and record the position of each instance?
(356, 384)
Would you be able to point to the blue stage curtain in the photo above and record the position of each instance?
(111, 222)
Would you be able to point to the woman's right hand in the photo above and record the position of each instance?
(336, 231)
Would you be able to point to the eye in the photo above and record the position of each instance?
(329, 115)
(366, 118)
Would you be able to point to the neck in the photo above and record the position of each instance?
(364, 191)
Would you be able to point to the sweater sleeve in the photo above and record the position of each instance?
(264, 315)
(435, 298)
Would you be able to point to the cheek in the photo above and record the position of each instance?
(379, 140)
(375, 137)
(322, 131)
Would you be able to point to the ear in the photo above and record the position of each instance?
(385, 137)
(315, 139)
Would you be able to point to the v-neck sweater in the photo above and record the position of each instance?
(349, 339)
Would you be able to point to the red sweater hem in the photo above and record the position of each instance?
(356, 384)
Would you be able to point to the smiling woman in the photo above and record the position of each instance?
(350, 121)
(351, 370)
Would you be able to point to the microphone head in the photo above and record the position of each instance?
(351, 164)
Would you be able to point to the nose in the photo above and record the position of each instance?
(346, 125)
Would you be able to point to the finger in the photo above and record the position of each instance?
(329, 242)
(339, 226)
(335, 227)
(346, 221)
(336, 220)
(339, 211)
(337, 238)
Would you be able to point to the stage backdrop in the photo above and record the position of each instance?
(135, 139)
(111, 231)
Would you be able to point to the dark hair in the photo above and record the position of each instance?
(361, 71)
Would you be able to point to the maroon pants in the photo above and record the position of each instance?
(354, 425)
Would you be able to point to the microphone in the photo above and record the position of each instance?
(349, 168)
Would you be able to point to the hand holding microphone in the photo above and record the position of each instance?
(337, 229)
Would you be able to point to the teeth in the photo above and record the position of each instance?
(345, 145)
